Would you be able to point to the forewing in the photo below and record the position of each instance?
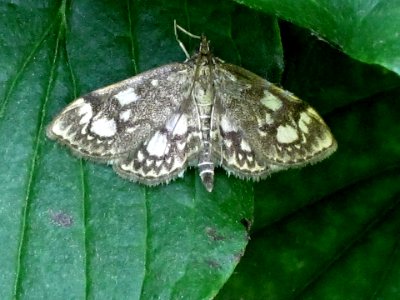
(280, 130)
(165, 154)
(110, 122)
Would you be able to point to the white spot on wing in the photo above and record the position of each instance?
(131, 129)
(126, 167)
(140, 156)
(104, 127)
(127, 96)
(268, 119)
(271, 101)
(245, 146)
(125, 115)
(325, 141)
(286, 134)
(154, 82)
(177, 124)
(261, 132)
(86, 112)
(303, 121)
(228, 143)
(58, 128)
(157, 144)
(226, 125)
(305, 117)
(181, 145)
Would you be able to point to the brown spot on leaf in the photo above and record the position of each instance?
(212, 233)
(61, 219)
(213, 264)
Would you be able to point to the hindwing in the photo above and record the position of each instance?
(165, 154)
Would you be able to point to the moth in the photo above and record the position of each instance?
(202, 112)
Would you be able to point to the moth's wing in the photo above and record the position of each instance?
(278, 129)
(110, 122)
(236, 154)
(165, 154)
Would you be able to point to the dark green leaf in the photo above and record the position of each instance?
(73, 229)
(365, 30)
(330, 231)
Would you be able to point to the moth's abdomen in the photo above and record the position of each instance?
(204, 98)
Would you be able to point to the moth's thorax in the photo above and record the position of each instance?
(203, 89)
(204, 48)
(203, 57)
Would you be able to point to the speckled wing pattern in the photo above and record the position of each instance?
(202, 112)
(109, 123)
(264, 128)
(140, 125)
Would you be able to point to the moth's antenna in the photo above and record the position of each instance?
(176, 26)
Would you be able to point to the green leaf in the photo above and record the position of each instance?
(343, 247)
(74, 229)
(71, 229)
(365, 30)
(330, 231)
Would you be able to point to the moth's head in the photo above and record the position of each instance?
(204, 45)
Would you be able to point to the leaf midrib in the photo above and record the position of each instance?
(37, 139)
